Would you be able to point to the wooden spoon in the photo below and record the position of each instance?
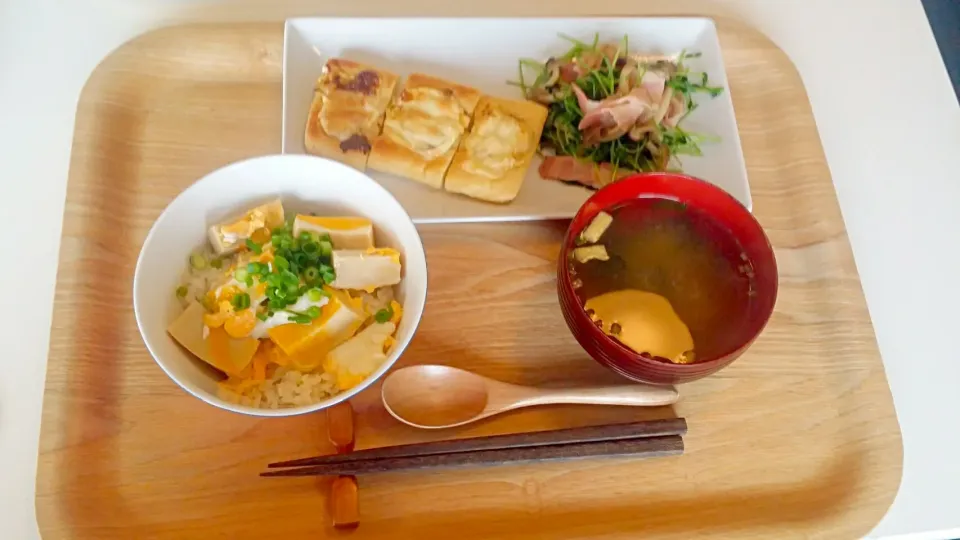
(434, 397)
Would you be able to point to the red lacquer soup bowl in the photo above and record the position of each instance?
(731, 217)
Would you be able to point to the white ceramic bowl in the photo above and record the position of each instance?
(305, 184)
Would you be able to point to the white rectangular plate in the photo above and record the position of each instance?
(483, 53)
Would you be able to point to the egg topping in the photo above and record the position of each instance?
(643, 321)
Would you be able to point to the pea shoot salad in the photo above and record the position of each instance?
(613, 112)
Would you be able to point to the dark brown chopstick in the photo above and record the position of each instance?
(640, 447)
(609, 432)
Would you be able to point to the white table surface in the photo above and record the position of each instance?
(888, 119)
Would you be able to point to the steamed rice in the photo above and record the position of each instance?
(285, 388)
(197, 281)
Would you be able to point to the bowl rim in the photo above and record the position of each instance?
(210, 399)
(591, 207)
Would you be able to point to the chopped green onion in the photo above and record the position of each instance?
(198, 261)
(241, 274)
(248, 282)
(305, 236)
(241, 301)
(263, 316)
(384, 315)
(326, 248)
(327, 273)
(216, 263)
(182, 291)
(207, 303)
(313, 312)
(310, 247)
(253, 268)
(311, 274)
(281, 263)
(300, 319)
(253, 246)
(315, 295)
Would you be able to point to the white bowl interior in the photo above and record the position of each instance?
(305, 184)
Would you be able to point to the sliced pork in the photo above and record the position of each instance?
(571, 169)
(613, 117)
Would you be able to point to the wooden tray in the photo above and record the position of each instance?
(797, 438)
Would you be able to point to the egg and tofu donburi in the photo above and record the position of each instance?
(433, 131)
(291, 309)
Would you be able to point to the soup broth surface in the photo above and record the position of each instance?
(675, 251)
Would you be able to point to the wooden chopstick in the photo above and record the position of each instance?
(608, 432)
(642, 447)
(648, 438)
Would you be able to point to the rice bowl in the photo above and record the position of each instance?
(266, 369)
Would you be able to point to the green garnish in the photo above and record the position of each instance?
(207, 303)
(301, 259)
(182, 291)
(240, 301)
(216, 263)
(313, 312)
(263, 316)
(384, 315)
(327, 273)
(198, 261)
(300, 265)
(299, 318)
(326, 248)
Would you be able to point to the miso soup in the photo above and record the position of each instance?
(663, 274)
